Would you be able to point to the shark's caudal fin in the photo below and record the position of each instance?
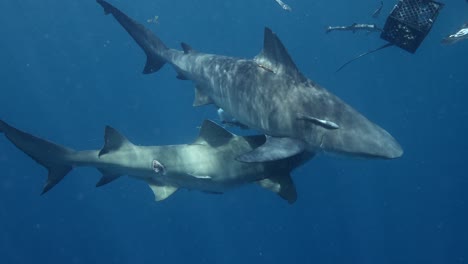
(147, 40)
(48, 154)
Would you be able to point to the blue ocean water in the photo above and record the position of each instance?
(67, 70)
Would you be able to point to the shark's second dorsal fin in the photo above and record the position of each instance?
(186, 48)
(113, 141)
(213, 134)
(274, 56)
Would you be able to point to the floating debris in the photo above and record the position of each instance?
(283, 5)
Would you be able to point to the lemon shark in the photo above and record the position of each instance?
(207, 165)
(268, 94)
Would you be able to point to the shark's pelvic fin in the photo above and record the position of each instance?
(113, 141)
(201, 98)
(147, 40)
(161, 192)
(213, 134)
(274, 149)
(48, 154)
(274, 56)
(106, 178)
(282, 185)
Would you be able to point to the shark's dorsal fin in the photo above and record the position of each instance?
(161, 192)
(282, 185)
(201, 98)
(113, 141)
(213, 134)
(274, 56)
(186, 48)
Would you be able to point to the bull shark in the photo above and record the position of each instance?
(207, 165)
(268, 94)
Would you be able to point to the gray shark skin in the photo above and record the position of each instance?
(270, 95)
(207, 165)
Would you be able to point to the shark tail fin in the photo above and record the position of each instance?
(145, 38)
(48, 154)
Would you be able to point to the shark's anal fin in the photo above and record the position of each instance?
(161, 192)
(282, 185)
(274, 149)
(321, 122)
(201, 98)
(113, 141)
(106, 178)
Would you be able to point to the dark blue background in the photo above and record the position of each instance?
(67, 70)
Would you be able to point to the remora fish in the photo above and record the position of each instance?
(268, 94)
(354, 27)
(461, 34)
(207, 165)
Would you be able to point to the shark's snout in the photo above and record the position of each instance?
(366, 140)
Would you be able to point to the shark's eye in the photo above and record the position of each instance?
(159, 168)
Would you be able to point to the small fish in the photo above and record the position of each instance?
(153, 20)
(283, 5)
(378, 10)
(355, 27)
(461, 34)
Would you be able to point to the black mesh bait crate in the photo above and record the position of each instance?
(409, 23)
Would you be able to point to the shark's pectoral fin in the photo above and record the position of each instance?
(274, 149)
(106, 178)
(201, 98)
(56, 174)
(161, 192)
(113, 141)
(213, 134)
(282, 185)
